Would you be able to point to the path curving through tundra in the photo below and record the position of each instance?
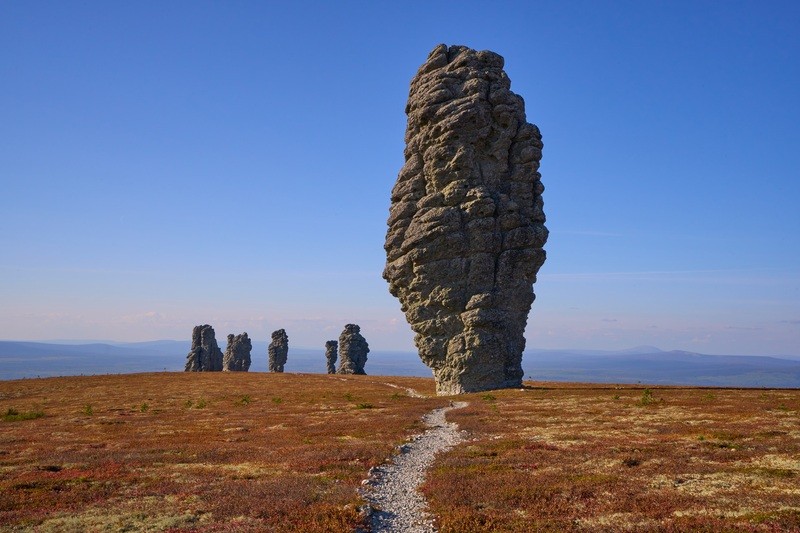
(392, 489)
(410, 391)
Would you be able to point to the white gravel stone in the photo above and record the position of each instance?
(391, 490)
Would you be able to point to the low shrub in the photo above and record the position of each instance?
(12, 415)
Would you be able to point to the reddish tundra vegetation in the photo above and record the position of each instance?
(287, 452)
(198, 451)
(557, 457)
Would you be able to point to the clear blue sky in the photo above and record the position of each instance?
(166, 164)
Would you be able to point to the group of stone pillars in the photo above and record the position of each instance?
(353, 348)
(205, 355)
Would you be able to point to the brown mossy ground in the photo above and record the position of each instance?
(560, 457)
(198, 451)
(286, 452)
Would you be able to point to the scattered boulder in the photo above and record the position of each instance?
(353, 349)
(466, 222)
(205, 355)
(331, 349)
(237, 354)
(278, 350)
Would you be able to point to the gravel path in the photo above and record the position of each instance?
(391, 489)
(411, 392)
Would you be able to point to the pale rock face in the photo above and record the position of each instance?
(331, 354)
(466, 223)
(353, 350)
(205, 355)
(237, 354)
(278, 350)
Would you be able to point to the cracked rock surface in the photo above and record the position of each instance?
(237, 354)
(466, 222)
(278, 350)
(205, 355)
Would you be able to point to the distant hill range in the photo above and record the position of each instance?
(643, 364)
(650, 365)
(65, 358)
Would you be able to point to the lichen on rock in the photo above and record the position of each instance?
(205, 355)
(353, 350)
(237, 354)
(466, 222)
(278, 350)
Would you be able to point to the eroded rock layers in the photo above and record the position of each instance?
(353, 350)
(237, 354)
(331, 354)
(278, 350)
(205, 355)
(466, 223)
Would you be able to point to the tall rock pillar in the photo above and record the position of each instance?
(278, 350)
(237, 354)
(205, 355)
(331, 354)
(353, 350)
(466, 223)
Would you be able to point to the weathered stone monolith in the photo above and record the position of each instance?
(353, 350)
(466, 223)
(205, 355)
(278, 350)
(331, 349)
(237, 354)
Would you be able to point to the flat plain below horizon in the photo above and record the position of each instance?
(641, 364)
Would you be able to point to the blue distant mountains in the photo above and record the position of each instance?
(44, 359)
(650, 365)
(643, 364)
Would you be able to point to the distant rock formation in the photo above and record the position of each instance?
(353, 350)
(278, 350)
(237, 354)
(331, 349)
(205, 355)
(466, 223)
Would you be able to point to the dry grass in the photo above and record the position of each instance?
(200, 452)
(286, 452)
(556, 457)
